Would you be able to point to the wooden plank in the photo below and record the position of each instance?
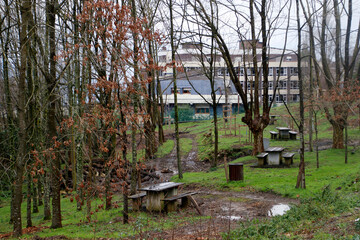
(139, 195)
(161, 186)
(179, 196)
(288, 155)
(261, 155)
(195, 204)
(274, 149)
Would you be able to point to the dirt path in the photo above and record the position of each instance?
(225, 208)
(166, 167)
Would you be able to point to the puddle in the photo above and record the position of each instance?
(278, 210)
(234, 218)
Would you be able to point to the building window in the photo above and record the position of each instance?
(177, 90)
(282, 72)
(296, 97)
(271, 85)
(250, 71)
(221, 72)
(277, 98)
(187, 90)
(294, 85)
(293, 71)
(288, 58)
(282, 84)
(280, 98)
(202, 111)
(251, 85)
(227, 72)
(242, 71)
(271, 71)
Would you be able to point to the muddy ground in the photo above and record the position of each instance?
(225, 208)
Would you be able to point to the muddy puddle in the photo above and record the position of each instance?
(278, 210)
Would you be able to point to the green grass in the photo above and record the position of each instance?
(320, 200)
(308, 220)
(186, 145)
(105, 224)
(332, 171)
(165, 148)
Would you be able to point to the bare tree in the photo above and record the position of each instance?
(301, 175)
(254, 118)
(338, 82)
(21, 108)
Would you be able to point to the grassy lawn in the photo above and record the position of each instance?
(330, 200)
(332, 171)
(105, 224)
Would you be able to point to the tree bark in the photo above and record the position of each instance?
(173, 51)
(51, 121)
(338, 135)
(28, 202)
(135, 105)
(39, 191)
(300, 183)
(35, 197)
(22, 137)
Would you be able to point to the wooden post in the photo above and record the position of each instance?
(235, 124)
(171, 206)
(240, 134)
(226, 169)
(195, 204)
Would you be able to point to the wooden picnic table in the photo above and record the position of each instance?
(158, 192)
(284, 132)
(274, 155)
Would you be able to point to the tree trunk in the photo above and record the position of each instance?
(22, 138)
(161, 110)
(216, 135)
(11, 221)
(35, 197)
(346, 144)
(338, 135)
(51, 120)
(47, 209)
(39, 191)
(316, 141)
(79, 178)
(258, 145)
(126, 207)
(173, 50)
(28, 202)
(300, 183)
(17, 202)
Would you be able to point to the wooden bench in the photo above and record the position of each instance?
(288, 157)
(170, 202)
(262, 159)
(137, 200)
(293, 135)
(274, 135)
